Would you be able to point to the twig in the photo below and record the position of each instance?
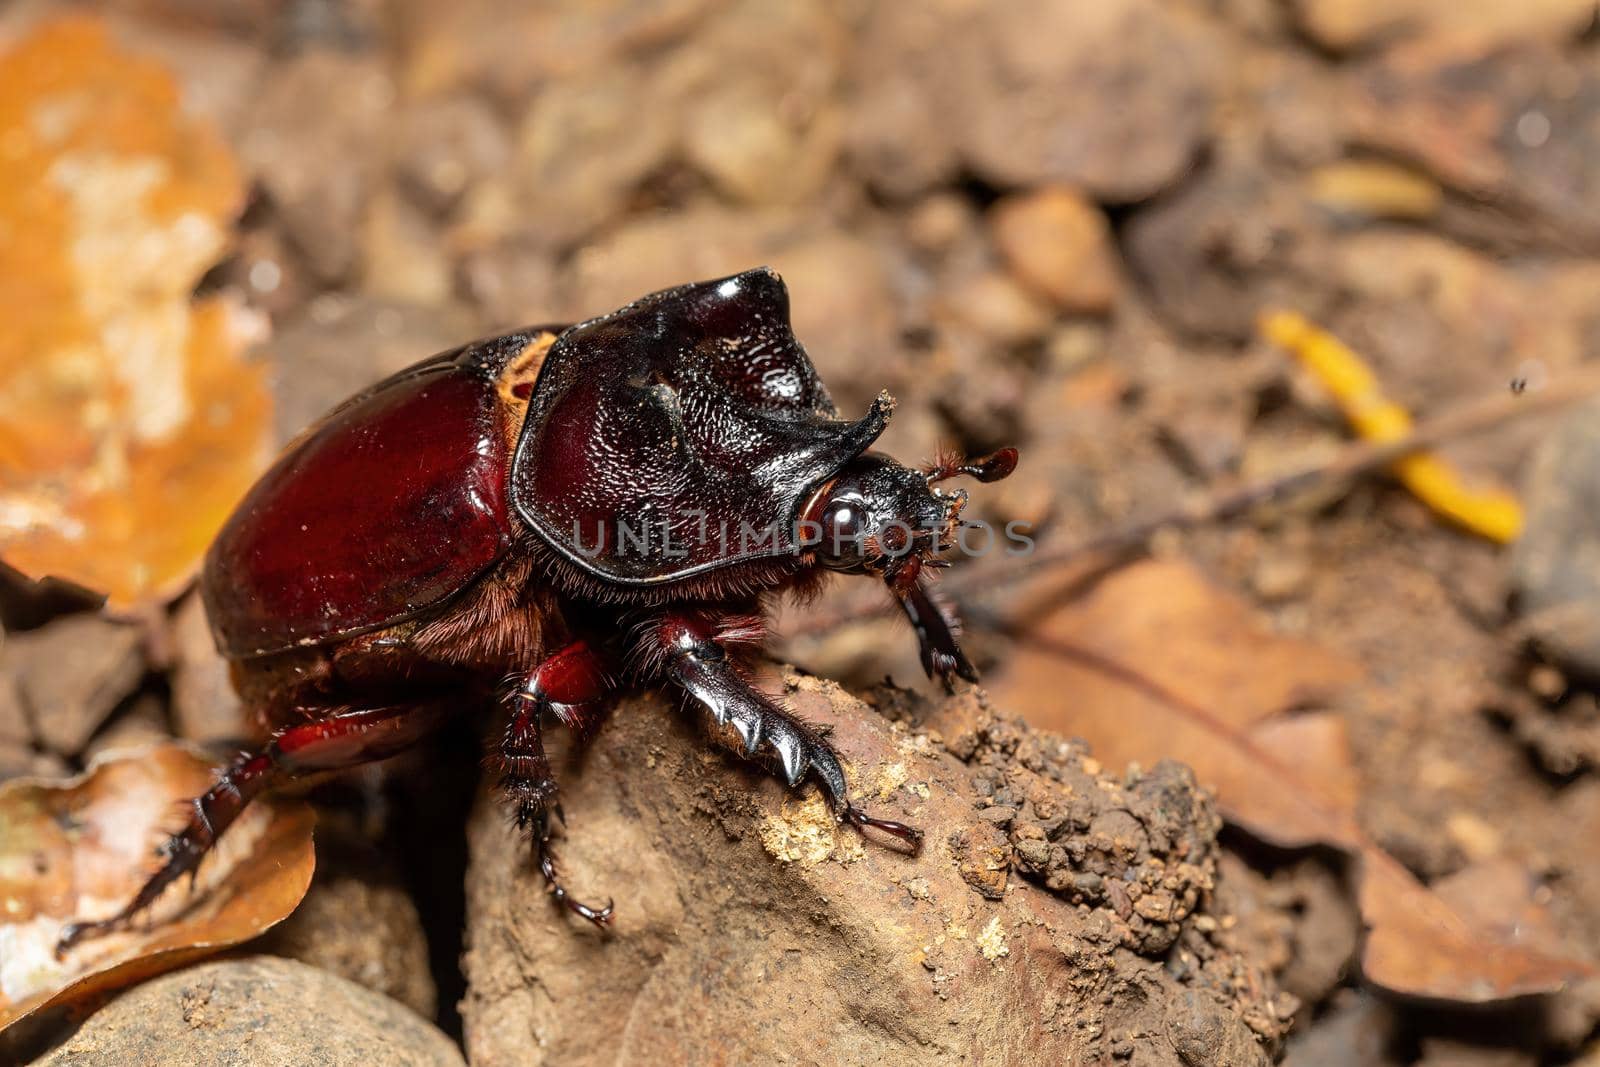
(1356, 459)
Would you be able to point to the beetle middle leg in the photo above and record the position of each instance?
(334, 741)
(691, 647)
(572, 685)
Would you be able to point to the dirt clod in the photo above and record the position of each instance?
(893, 949)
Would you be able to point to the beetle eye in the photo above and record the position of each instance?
(844, 526)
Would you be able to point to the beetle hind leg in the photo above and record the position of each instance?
(572, 686)
(698, 662)
(336, 741)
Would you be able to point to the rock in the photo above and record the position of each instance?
(402, 256)
(585, 145)
(1372, 189)
(1529, 152)
(1224, 245)
(255, 1012)
(142, 724)
(358, 924)
(893, 138)
(1348, 24)
(758, 83)
(70, 674)
(508, 51)
(1034, 94)
(445, 147)
(314, 140)
(1359, 1031)
(1555, 564)
(740, 140)
(941, 223)
(513, 282)
(204, 706)
(997, 308)
(798, 938)
(1059, 244)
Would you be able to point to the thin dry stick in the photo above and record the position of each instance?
(1360, 458)
(1355, 460)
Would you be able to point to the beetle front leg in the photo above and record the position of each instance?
(695, 657)
(573, 686)
(334, 742)
(935, 626)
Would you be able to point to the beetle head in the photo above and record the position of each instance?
(883, 518)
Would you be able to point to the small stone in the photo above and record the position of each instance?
(142, 724)
(998, 816)
(1476, 839)
(939, 223)
(402, 257)
(362, 929)
(1348, 24)
(1555, 564)
(584, 146)
(740, 140)
(71, 673)
(1031, 94)
(1280, 574)
(313, 141)
(1059, 244)
(255, 1012)
(447, 146)
(997, 308)
(205, 708)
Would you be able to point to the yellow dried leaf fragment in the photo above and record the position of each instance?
(1489, 512)
(129, 424)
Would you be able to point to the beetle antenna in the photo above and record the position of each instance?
(991, 468)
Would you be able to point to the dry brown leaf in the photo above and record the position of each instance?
(82, 848)
(129, 425)
(1418, 942)
(1157, 662)
(1182, 633)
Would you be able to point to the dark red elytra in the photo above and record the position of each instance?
(578, 508)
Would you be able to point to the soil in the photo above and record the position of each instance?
(1054, 229)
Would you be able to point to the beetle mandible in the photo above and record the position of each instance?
(578, 508)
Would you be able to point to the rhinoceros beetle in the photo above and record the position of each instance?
(577, 508)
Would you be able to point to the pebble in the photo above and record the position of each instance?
(255, 1012)
(1059, 244)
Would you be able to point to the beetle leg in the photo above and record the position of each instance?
(936, 628)
(696, 660)
(334, 742)
(573, 686)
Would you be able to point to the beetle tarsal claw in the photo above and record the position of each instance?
(908, 835)
(600, 917)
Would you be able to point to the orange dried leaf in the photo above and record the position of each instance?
(129, 424)
(82, 848)
(1157, 662)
